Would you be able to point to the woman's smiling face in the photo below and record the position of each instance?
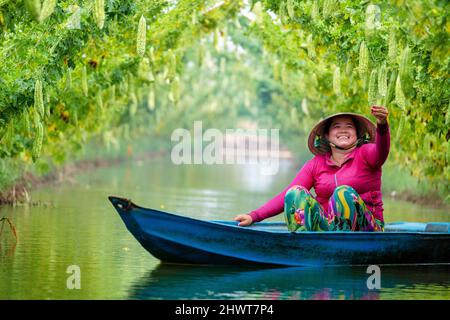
(342, 131)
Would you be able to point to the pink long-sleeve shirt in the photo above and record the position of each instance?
(361, 170)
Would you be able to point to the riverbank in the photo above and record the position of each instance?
(432, 201)
(20, 192)
(397, 184)
(93, 156)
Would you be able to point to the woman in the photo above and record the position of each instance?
(345, 174)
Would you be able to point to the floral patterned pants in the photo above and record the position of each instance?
(346, 212)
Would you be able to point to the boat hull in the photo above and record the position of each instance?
(177, 239)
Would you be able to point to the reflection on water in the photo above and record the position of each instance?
(8, 238)
(168, 281)
(76, 225)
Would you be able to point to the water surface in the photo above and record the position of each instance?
(76, 225)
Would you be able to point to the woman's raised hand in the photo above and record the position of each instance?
(381, 113)
(245, 220)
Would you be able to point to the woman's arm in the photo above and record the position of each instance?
(377, 153)
(276, 205)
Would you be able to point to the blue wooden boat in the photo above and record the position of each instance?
(177, 239)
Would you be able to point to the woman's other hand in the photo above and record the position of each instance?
(245, 220)
(381, 113)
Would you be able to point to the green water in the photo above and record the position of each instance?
(76, 225)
